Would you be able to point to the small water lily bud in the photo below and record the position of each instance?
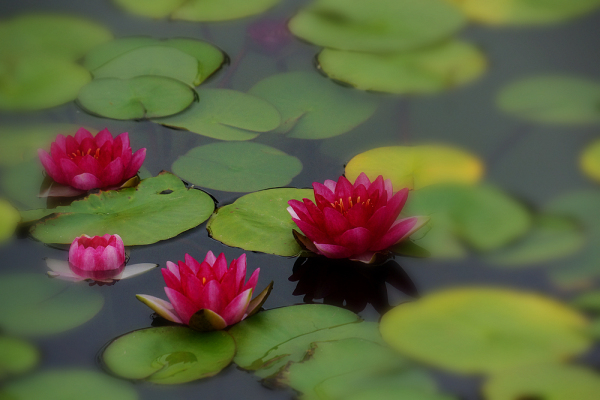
(98, 253)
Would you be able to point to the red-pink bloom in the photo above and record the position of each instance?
(207, 295)
(86, 162)
(353, 221)
(98, 253)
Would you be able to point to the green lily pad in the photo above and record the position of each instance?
(237, 166)
(552, 99)
(136, 98)
(398, 393)
(313, 108)
(524, 12)
(590, 160)
(68, 385)
(9, 218)
(259, 222)
(169, 354)
(37, 305)
(589, 301)
(151, 60)
(551, 237)
(221, 10)
(483, 217)
(53, 35)
(150, 8)
(545, 381)
(425, 70)
(226, 115)
(376, 26)
(37, 82)
(416, 166)
(157, 209)
(16, 356)
(473, 330)
(22, 183)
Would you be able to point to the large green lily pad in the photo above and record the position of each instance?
(169, 354)
(22, 183)
(221, 10)
(552, 99)
(313, 108)
(36, 82)
(424, 70)
(34, 304)
(226, 115)
(237, 166)
(524, 12)
(544, 381)
(474, 330)
(416, 166)
(16, 356)
(376, 26)
(69, 385)
(158, 209)
(259, 222)
(590, 160)
(9, 218)
(136, 98)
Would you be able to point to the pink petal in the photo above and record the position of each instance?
(57, 153)
(313, 233)
(314, 212)
(51, 168)
(121, 144)
(400, 230)
(335, 222)
(240, 273)
(159, 306)
(61, 142)
(210, 258)
(358, 215)
(72, 145)
(69, 168)
(212, 297)
(206, 271)
(362, 179)
(174, 268)
(192, 289)
(86, 181)
(103, 137)
(113, 173)
(105, 154)
(333, 250)
(90, 164)
(299, 208)
(292, 212)
(376, 185)
(330, 185)
(136, 162)
(229, 284)
(324, 191)
(389, 188)
(110, 259)
(343, 188)
(184, 269)
(171, 280)
(251, 284)
(192, 263)
(82, 134)
(220, 267)
(183, 306)
(358, 240)
(235, 310)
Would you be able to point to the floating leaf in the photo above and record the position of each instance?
(136, 98)
(62, 36)
(376, 26)
(221, 10)
(16, 356)
(425, 70)
(226, 115)
(551, 237)
(22, 183)
(416, 166)
(237, 166)
(259, 222)
(169, 354)
(552, 99)
(524, 12)
(37, 305)
(472, 330)
(589, 301)
(108, 51)
(36, 82)
(311, 107)
(590, 160)
(150, 8)
(151, 60)
(544, 381)
(158, 209)
(483, 217)
(398, 393)
(9, 218)
(69, 384)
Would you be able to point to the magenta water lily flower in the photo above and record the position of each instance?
(353, 221)
(87, 162)
(208, 295)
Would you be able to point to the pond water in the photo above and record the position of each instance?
(533, 163)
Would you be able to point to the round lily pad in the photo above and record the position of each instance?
(9, 218)
(150, 8)
(136, 98)
(430, 69)
(376, 26)
(416, 166)
(38, 305)
(169, 354)
(552, 99)
(16, 356)
(36, 82)
(221, 10)
(544, 381)
(226, 115)
(151, 60)
(590, 160)
(158, 208)
(313, 108)
(474, 330)
(259, 222)
(524, 12)
(69, 385)
(237, 166)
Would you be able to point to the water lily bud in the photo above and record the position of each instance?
(98, 253)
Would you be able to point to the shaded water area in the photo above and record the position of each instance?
(536, 165)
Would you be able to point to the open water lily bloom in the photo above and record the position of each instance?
(87, 162)
(208, 295)
(353, 221)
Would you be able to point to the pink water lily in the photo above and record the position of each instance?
(353, 221)
(207, 295)
(87, 162)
